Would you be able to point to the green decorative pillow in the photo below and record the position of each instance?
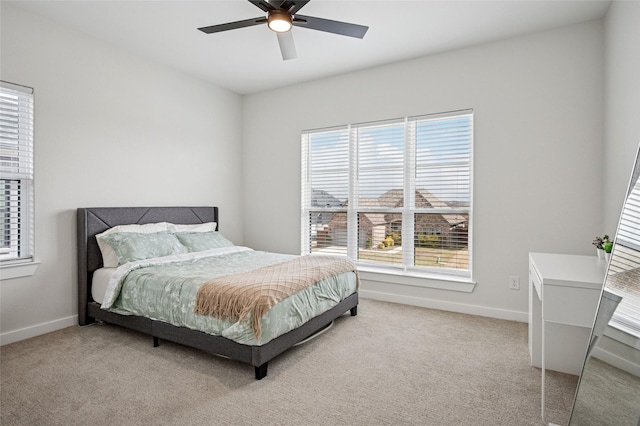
(200, 241)
(130, 247)
(109, 258)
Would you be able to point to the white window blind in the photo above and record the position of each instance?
(325, 159)
(393, 194)
(623, 277)
(443, 190)
(380, 189)
(16, 172)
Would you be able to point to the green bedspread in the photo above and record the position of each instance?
(165, 289)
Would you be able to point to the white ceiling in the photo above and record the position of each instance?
(248, 60)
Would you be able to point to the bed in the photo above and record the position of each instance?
(256, 349)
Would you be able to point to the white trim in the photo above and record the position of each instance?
(18, 120)
(446, 306)
(37, 330)
(616, 361)
(18, 270)
(416, 279)
(622, 336)
(17, 87)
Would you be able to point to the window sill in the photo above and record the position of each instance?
(628, 335)
(18, 270)
(416, 279)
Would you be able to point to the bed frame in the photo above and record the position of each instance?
(92, 221)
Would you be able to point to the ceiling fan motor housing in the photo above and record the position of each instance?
(279, 21)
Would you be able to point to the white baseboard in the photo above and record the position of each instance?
(37, 330)
(617, 361)
(446, 306)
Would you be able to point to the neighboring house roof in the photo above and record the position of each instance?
(395, 198)
(454, 219)
(392, 198)
(321, 198)
(368, 203)
(433, 201)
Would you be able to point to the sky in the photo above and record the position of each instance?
(441, 147)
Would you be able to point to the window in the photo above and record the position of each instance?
(623, 276)
(16, 172)
(395, 193)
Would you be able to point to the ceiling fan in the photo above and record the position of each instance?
(281, 16)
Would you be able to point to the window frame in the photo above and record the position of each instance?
(17, 259)
(408, 266)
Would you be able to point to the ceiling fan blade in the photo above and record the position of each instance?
(287, 46)
(264, 5)
(233, 25)
(293, 6)
(329, 26)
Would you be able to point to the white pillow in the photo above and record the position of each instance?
(200, 227)
(109, 258)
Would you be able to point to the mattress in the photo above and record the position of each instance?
(99, 283)
(165, 289)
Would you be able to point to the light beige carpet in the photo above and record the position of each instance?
(390, 365)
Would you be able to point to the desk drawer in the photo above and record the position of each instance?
(570, 305)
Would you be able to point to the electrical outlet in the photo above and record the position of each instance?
(514, 282)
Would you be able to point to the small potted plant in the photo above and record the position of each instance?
(607, 246)
(597, 242)
(600, 243)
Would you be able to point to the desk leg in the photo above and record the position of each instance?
(543, 369)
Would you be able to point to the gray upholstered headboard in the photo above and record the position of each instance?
(92, 221)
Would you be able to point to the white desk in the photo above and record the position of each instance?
(564, 291)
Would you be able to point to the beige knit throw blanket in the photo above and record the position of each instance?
(233, 297)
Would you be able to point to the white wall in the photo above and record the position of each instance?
(538, 103)
(110, 130)
(622, 105)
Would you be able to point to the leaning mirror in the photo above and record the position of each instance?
(609, 388)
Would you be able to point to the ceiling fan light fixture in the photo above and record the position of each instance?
(279, 21)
